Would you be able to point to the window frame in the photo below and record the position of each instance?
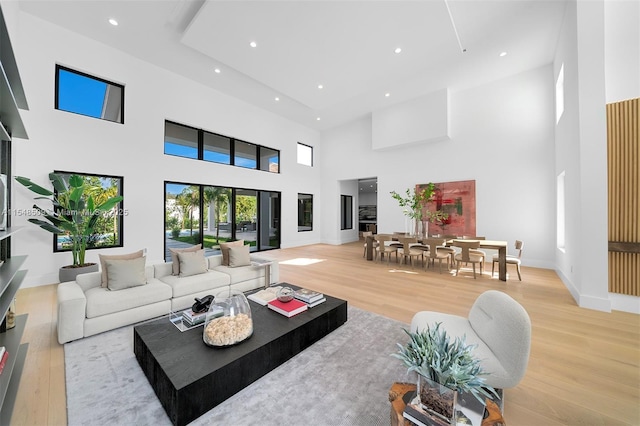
(232, 148)
(121, 212)
(198, 144)
(56, 101)
(259, 243)
(301, 145)
(346, 212)
(302, 226)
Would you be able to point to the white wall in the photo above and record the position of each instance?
(622, 80)
(581, 152)
(622, 49)
(65, 141)
(501, 136)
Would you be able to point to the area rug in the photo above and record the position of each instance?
(343, 379)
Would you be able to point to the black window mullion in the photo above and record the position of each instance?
(200, 144)
(232, 153)
(201, 218)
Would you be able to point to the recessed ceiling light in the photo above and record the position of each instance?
(503, 54)
(253, 44)
(320, 86)
(113, 22)
(398, 50)
(217, 70)
(277, 99)
(317, 118)
(386, 95)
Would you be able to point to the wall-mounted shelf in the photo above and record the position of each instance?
(9, 114)
(9, 231)
(12, 99)
(10, 376)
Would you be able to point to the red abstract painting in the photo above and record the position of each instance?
(458, 200)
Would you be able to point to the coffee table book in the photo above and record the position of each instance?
(193, 318)
(288, 309)
(317, 302)
(265, 296)
(308, 296)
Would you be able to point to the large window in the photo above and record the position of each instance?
(108, 229)
(180, 140)
(210, 215)
(217, 148)
(346, 212)
(245, 155)
(269, 160)
(305, 154)
(305, 212)
(189, 142)
(560, 212)
(560, 94)
(84, 94)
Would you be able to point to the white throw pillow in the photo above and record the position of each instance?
(125, 273)
(192, 263)
(174, 257)
(105, 257)
(239, 256)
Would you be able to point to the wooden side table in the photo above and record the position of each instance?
(399, 390)
(396, 393)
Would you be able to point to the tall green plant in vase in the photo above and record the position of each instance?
(414, 202)
(74, 211)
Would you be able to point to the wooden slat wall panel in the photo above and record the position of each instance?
(623, 146)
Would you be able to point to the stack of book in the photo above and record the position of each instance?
(3, 357)
(310, 297)
(288, 309)
(191, 318)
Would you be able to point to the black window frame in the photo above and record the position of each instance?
(298, 159)
(302, 225)
(56, 101)
(121, 211)
(232, 148)
(346, 212)
(259, 243)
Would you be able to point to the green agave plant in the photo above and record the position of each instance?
(74, 211)
(431, 353)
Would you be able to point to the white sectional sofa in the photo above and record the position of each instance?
(86, 308)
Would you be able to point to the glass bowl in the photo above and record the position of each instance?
(228, 320)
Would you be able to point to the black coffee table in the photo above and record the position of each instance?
(190, 378)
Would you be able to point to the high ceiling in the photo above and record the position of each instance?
(348, 47)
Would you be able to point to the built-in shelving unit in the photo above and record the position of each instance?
(12, 98)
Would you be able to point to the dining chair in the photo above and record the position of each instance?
(436, 251)
(366, 234)
(383, 249)
(514, 260)
(467, 256)
(450, 250)
(407, 251)
(474, 251)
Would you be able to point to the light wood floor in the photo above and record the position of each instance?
(584, 367)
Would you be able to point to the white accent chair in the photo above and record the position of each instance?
(501, 329)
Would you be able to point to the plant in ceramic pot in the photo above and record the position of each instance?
(414, 202)
(445, 367)
(74, 212)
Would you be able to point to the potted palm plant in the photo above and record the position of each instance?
(74, 212)
(444, 368)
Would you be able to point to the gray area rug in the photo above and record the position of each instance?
(343, 379)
